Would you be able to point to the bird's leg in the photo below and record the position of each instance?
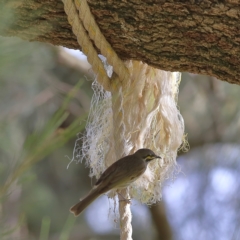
(123, 198)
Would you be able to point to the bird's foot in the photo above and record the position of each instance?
(123, 199)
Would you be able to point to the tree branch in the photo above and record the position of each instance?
(194, 36)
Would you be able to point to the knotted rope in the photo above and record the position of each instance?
(139, 111)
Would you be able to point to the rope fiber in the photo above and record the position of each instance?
(134, 108)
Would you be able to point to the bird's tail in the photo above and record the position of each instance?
(82, 204)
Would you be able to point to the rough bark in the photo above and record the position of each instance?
(194, 36)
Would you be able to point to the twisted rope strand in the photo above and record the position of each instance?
(125, 216)
(86, 44)
(119, 69)
(119, 139)
(100, 41)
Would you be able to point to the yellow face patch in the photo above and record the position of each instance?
(150, 157)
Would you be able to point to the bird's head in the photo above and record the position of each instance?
(147, 154)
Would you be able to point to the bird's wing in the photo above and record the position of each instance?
(117, 175)
(109, 171)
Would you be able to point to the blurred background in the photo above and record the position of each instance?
(45, 95)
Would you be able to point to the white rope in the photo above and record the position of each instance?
(139, 112)
(142, 114)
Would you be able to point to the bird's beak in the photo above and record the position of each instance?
(157, 156)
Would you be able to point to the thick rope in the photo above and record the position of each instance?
(86, 44)
(100, 41)
(142, 106)
(120, 150)
(125, 215)
(119, 131)
(123, 76)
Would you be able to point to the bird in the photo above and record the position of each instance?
(118, 175)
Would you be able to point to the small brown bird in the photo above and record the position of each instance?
(119, 175)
